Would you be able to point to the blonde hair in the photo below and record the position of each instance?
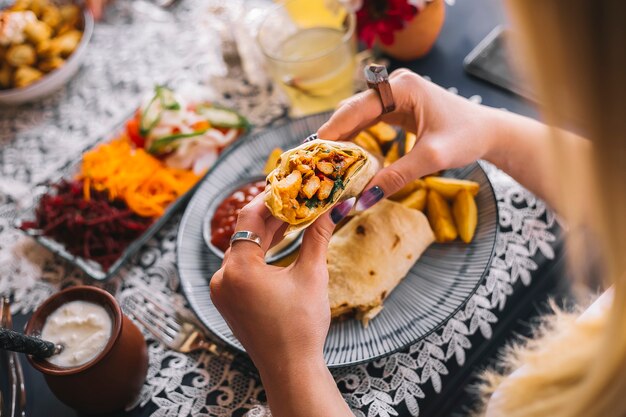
(577, 59)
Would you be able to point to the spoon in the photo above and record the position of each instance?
(19, 342)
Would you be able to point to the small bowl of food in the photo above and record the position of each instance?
(42, 45)
(104, 360)
(221, 219)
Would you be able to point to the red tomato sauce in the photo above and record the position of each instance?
(225, 217)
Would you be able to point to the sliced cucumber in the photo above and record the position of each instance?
(166, 143)
(149, 116)
(222, 117)
(168, 100)
(163, 99)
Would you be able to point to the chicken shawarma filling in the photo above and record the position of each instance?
(311, 179)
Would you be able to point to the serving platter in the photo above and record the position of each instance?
(438, 285)
(94, 269)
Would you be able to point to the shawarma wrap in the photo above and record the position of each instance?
(311, 178)
(371, 254)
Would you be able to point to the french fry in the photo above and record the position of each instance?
(449, 187)
(272, 160)
(368, 142)
(409, 142)
(440, 217)
(408, 189)
(383, 132)
(392, 156)
(465, 215)
(416, 200)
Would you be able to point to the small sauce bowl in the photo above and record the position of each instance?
(113, 379)
(282, 250)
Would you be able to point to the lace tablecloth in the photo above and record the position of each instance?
(136, 47)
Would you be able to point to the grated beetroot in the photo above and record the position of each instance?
(98, 229)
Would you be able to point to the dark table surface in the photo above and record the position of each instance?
(467, 23)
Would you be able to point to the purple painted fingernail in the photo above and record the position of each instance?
(310, 138)
(341, 210)
(369, 198)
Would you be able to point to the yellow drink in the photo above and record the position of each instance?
(318, 83)
(312, 13)
(310, 50)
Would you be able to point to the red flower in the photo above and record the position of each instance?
(382, 18)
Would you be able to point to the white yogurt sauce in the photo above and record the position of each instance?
(83, 328)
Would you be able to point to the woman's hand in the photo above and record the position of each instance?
(451, 131)
(281, 315)
(275, 312)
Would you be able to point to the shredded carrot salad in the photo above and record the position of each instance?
(146, 184)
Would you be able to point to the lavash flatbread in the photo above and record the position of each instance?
(355, 179)
(371, 254)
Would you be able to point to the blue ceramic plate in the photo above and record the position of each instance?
(438, 285)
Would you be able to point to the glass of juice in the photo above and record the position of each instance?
(310, 48)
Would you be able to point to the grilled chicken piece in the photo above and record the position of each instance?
(325, 188)
(326, 167)
(290, 185)
(306, 170)
(311, 186)
(344, 164)
(297, 159)
(291, 208)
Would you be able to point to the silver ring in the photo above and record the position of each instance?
(246, 235)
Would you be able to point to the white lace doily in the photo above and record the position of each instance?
(142, 45)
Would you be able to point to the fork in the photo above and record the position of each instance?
(16, 374)
(176, 331)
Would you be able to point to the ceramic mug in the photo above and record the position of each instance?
(113, 379)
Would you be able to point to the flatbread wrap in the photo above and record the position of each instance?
(371, 254)
(310, 179)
